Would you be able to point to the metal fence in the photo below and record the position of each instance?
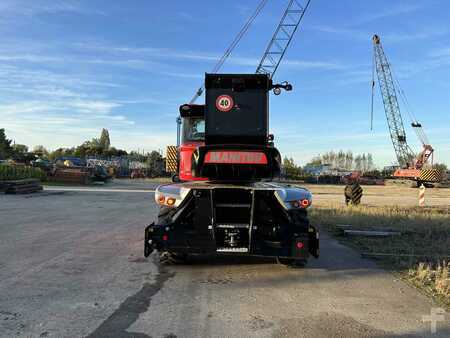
(129, 166)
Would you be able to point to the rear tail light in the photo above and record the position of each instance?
(161, 199)
(304, 203)
(170, 195)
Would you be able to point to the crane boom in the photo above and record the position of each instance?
(278, 45)
(232, 46)
(405, 155)
(282, 37)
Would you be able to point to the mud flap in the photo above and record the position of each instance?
(148, 245)
(300, 247)
(313, 235)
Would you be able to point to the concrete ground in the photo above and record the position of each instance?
(71, 265)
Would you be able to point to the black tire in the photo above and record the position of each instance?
(171, 258)
(291, 262)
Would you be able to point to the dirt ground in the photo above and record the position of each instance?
(71, 265)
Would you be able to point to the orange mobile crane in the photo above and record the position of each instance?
(412, 166)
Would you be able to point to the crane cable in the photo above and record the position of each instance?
(418, 129)
(233, 44)
(373, 90)
(415, 123)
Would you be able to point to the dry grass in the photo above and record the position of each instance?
(405, 197)
(419, 254)
(436, 280)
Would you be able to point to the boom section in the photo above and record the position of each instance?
(282, 37)
(405, 155)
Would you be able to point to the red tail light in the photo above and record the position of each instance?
(304, 203)
(161, 199)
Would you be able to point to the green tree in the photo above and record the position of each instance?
(104, 140)
(61, 152)
(370, 164)
(317, 160)
(155, 163)
(19, 149)
(5, 145)
(113, 152)
(358, 162)
(364, 163)
(136, 156)
(40, 151)
(348, 160)
(20, 153)
(440, 166)
(291, 170)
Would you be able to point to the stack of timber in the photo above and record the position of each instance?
(348, 230)
(26, 186)
(76, 175)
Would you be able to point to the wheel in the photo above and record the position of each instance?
(171, 258)
(291, 262)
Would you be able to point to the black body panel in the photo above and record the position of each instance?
(247, 122)
(236, 172)
(233, 221)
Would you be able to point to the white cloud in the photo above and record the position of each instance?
(389, 11)
(174, 54)
(423, 33)
(24, 8)
(440, 52)
(93, 107)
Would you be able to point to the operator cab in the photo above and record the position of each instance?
(193, 129)
(228, 138)
(192, 137)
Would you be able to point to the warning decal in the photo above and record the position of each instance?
(224, 103)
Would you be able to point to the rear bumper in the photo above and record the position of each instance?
(166, 238)
(263, 219)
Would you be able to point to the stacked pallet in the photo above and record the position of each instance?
(74, 175)
(26, 186)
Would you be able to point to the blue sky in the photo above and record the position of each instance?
(70, 68)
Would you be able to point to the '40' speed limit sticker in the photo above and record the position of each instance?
(224, 103)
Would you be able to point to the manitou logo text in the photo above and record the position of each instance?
(235, 157)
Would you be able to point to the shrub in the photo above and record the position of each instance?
(12, 172)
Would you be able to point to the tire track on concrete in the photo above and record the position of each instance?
(129, 311)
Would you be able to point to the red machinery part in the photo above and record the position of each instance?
(186, 151)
